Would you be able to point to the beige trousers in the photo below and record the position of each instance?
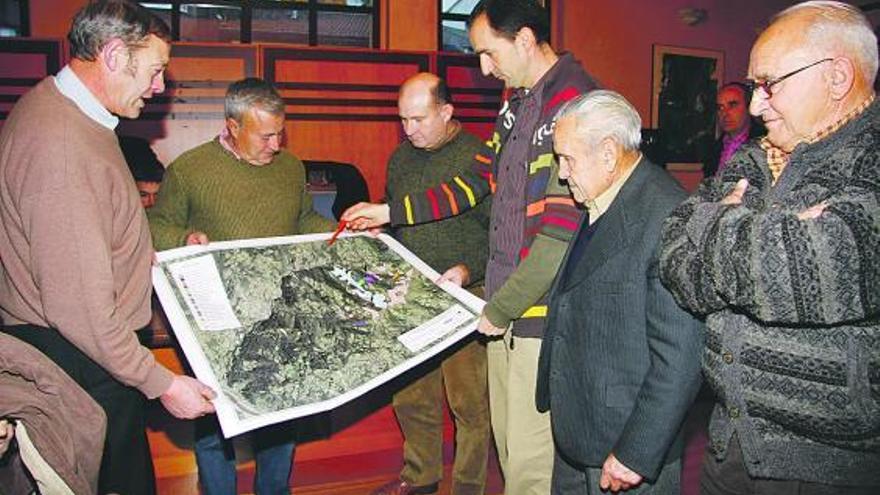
(523, 436)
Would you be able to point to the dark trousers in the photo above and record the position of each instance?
(126, 468)
(729, 477)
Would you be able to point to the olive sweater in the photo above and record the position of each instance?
(207, 189)
(462, 239)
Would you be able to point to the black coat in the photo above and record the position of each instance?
(620, 365)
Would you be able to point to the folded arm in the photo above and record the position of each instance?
(808, 265)
(814, 265)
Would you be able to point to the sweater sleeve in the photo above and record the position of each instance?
(535, 273)
(449, 198)
(681, 259)
(782, 269)
(169, 216)
(530, 281)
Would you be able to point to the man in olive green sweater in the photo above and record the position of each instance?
(237, 186)
(435, 148)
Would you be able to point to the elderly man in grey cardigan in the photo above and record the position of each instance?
(779, 254)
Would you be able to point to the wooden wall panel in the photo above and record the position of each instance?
(23, 63)
(476, 98)
(190, 111)
(342, 104)
(366, 145)
(411, 24)
(51, 18)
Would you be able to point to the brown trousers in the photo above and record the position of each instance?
(419, 410)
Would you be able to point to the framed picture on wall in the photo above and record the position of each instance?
(685, 83)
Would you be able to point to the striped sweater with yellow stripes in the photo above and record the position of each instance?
(546, 212)
(458, 240)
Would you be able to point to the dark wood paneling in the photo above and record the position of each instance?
(24, 63)
(476, 98)
(341, 104)
(326, 74)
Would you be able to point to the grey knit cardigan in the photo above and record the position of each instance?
(792, 306)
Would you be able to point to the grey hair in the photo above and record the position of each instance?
(601, 114)
(839, 23)
(252, 92)
(103, 20)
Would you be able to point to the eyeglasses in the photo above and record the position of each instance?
(765, 86)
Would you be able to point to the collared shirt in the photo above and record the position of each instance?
(226, 143)
(729, 146)
(72, 87)
(600, 205)
(777, 159)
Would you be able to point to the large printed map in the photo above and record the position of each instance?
(287, 327)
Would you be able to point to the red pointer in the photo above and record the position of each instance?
(339, 229)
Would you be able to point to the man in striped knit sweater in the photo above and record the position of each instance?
(239, 185)
(533, 220)
(779, 254)
(436, 146)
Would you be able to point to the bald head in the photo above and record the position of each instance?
(425, 110)
(831, 28)
(818, 61)
(427, 83)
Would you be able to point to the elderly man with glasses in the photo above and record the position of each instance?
(779, 254)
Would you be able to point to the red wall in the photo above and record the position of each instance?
(614, 39)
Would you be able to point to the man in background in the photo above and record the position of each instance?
(145, 167)
(75, 271)
(734, 123)
(240, 185)
(436, 147)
